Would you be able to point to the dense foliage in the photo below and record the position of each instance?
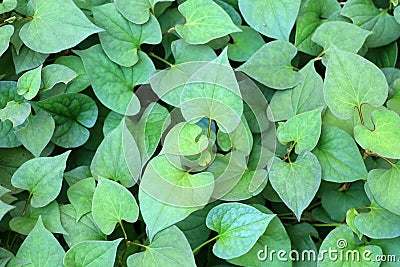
(199, 132)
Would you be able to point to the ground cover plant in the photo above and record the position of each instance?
(199, 133)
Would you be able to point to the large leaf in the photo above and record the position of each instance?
(42, 177)
(384, 138)
(5, 34)
(342, 240)
(137, 11)
(122, 38)
(339, 156)
(113, 84)
(73, 114)
(92, 253)
(346, 89)
(37, 133)
(205, 21)
(50, 31)
(117, 157)
(168, 248)
(365, 14)
(303, 129)
(296, 182)
(306, 96)
(238, 226)
(274, 19)
(274, 57)
(111, 204)
(41, 248)
(384, 186)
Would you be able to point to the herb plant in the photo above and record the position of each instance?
(199, 132)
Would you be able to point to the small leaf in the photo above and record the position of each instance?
(42, 177)
(274, 57)
(80, 82)
(238, 226)
(122, 38)
(184, 52)
(296, 182)
(80, 195)
(111, 204)
(27, 59)
(5, 257)
(205, 21)
(29, 83)
(303, 129)
(346, 89)
(117, 157)
(5, 35)
(274, 19)
(92, 253)
(71, 24)
(55, 73)
(102, 73)
(16, 112)
(41, 248)
(339, 157)
(168, 248)
(245, 44)
(7, 6)
(384, 138)
(137, 11)
(72, 114)
(4, 208)
(37, 133)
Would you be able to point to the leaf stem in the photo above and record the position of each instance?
(326, 224)
(360, 115)
(368, 152)
(168, 32)
(160, 59)
(205, 243)
(123, 231)
(319, 57)
(289, 150)
(137, 244)
(26, 204)
(344, 187)
(209, 127)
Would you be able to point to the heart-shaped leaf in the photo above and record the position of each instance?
(16, 112)
(81, 81)
(54, 73)
(29, 83)
(7, 6)
(137, 11)
(5, 34)
(80, 195)
(384, 138)
(245, 44)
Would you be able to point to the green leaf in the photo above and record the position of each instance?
(5, 34)
(29, 83)
(41, 248)
(389, 247)
(42, 177)
(50, 215)
(122, 38)
(62, 30)
(238, 226)
(111, 204)
(343, 35)
(92, 253)
(5, 257)
(27, 59)
(117, 157)
(7, 6)
(80, 230)
(4, 208)
(37, 133)
(394, 102)
(384, 186)
(168, 248)
(342, 240)
(16, 112)
(137, 11)
(274, 19)
(339, 156)
(311, 15)
(365, 14)
(303, 129)
(346, 89)
(72, 114)
(306, 96)
(113, 84)
(273, 57)
(80, 195)
(80, 82)
(245, 44)
(296, 182)
(384, 138)
(184, 52)
(383, 57)
(301, 238)
(55, 73)
(8, 92)
(205, 21)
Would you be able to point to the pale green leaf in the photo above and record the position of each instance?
(274, 57)
(27, 59)
(137, 11)
(50, 31)
(55, 73)
(16, 112)
(4, 208)
(7, 6)
(184, 52)
(274, 19)
(42, 177)
(29, 83)
(80, 82)
(245, 44)
(80, 196)
(113, 203)
(205, 21)
(5, 34)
